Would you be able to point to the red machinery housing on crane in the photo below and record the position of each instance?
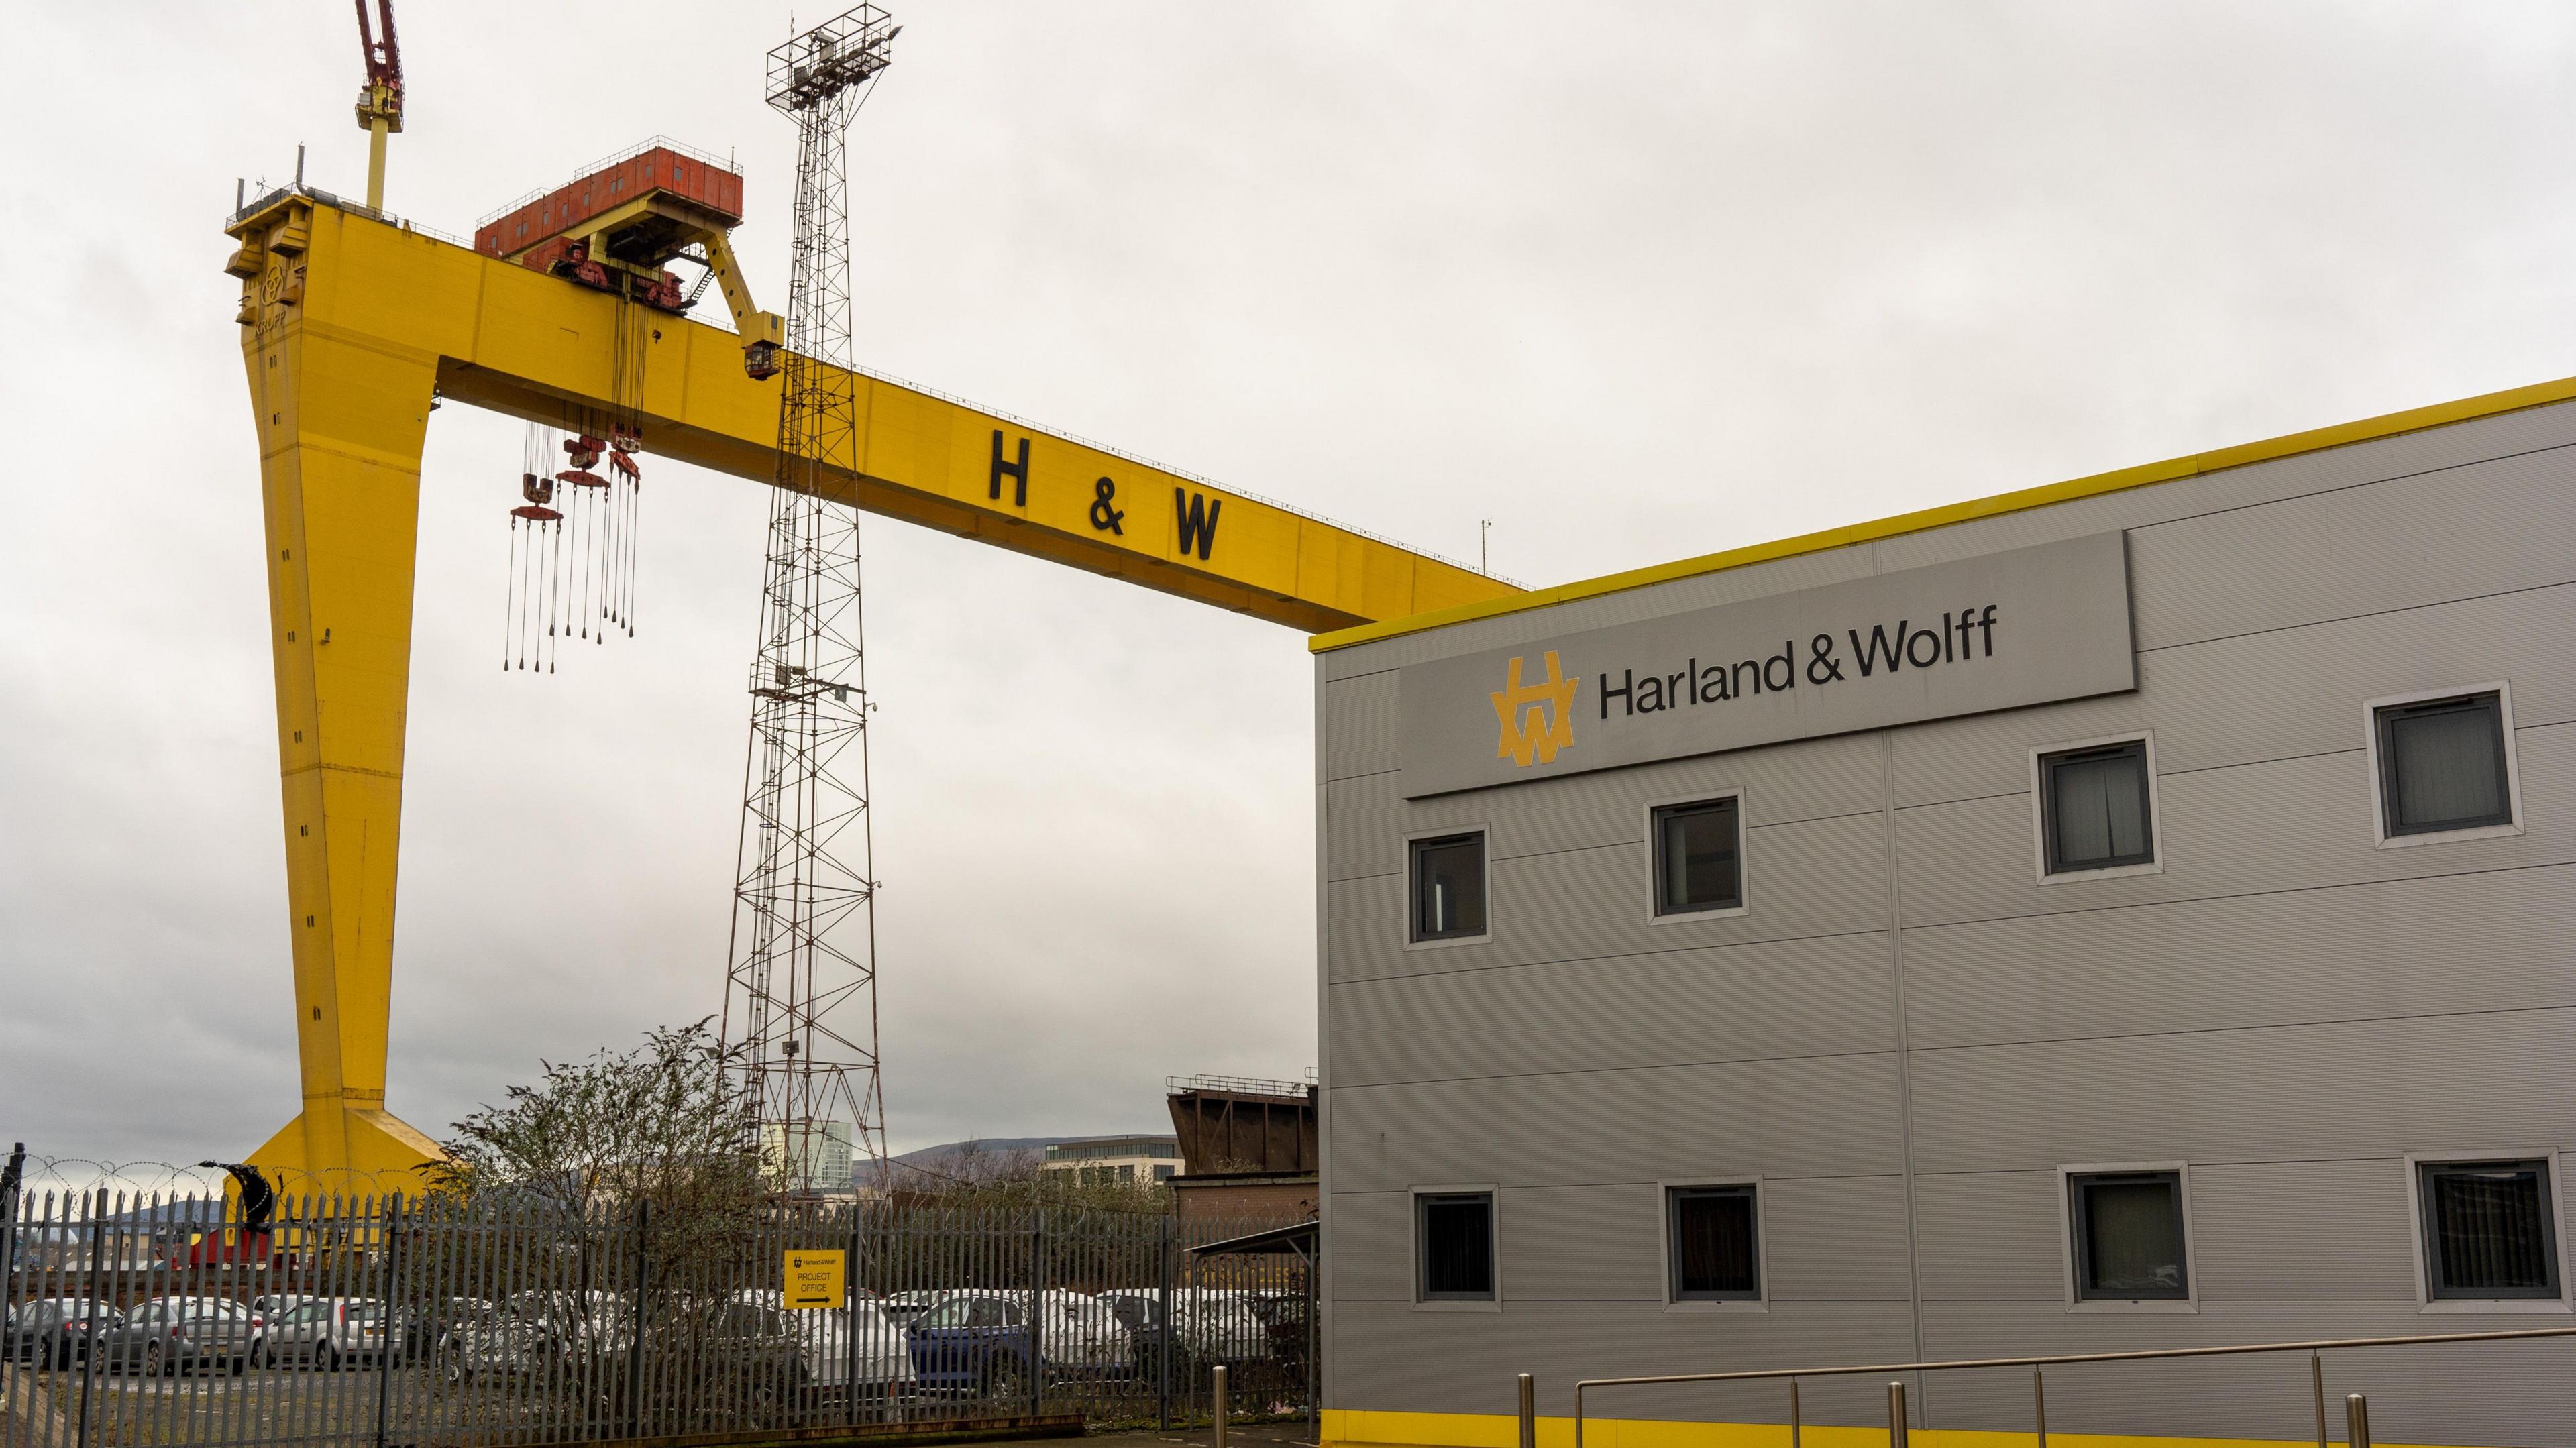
(614, 227)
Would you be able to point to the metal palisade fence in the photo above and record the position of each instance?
(415, 1322)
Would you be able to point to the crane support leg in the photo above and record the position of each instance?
(340, 427)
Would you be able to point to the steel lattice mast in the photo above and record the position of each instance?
(800, 993)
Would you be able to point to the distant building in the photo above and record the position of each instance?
(807, 1156)
(1104, 1160)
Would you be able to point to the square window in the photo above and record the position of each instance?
(2442, 765)
(1449, 887)
(1453, 1233)
(1697, 857)
(2128, 1236)
(2096, 808)
(2488, 1230)
(1714, 1252)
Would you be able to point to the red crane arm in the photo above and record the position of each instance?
(384, 58)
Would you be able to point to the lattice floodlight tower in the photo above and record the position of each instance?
(800, 992)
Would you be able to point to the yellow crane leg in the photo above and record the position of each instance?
(376, 132)
(340, 428)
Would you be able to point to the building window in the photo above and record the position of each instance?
(2488, 1230)
(2096, 808)
(1698, 864)
(2127, 1228)
(2443, 765)
(1715, 1256)
(1449, 887)
(1162, 1173)
(1453, 1234)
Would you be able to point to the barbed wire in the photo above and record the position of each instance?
(62, 1177)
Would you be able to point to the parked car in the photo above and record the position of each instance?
(903, 1307)
(1209, 1324)
(473, 1340)
(55, 1331)
(167, 1334)
(580, 1323)
(325, 1332)
(824, 1349)
(978, 1342)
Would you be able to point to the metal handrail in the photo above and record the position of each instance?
(2312, 1348)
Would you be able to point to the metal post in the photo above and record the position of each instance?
(1216, 1390)
(10, 1178)
(1896, 1414)
(1163, 1331)
(386, 1336)
(1315, 1338)
(1529, 1411)
(849, 1320)
(1037, 1313)
(635, 1327)
(2356, 1420)
(1793, 1413)
(2039, 1404)
(89, 1334)
(2317, 1378)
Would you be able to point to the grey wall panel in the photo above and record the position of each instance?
(1360, 725)
(1803, 880)
(1835, 1239)
(2431, 451)
(1580, 1244)
(2476, 529)
(1828, 996)
(2497, 940)
(1417, 1360)
(2314, 680)
(1754, 1118)
(1372, 1256)
(2292, 824)
(2302, 1231)
(2496, 1394)
(1366, 819)
(1990, 1236)
(2356, 1089)
(1362, 921)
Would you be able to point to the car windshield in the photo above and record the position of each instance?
(955, 1312)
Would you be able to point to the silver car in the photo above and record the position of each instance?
(167, 1334)
(325, 1332)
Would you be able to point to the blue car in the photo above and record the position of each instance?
(977, 1343)
(973, 1345)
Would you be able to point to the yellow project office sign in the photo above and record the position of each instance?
(814, 1279)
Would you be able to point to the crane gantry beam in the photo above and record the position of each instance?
(353, 327)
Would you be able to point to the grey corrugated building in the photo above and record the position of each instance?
(2132, 913)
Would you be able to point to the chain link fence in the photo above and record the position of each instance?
(150, 1319)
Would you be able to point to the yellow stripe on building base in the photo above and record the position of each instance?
(1353, 1428)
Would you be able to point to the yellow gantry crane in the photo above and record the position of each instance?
(354, 326)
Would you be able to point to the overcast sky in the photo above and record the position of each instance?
(1635, 281)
